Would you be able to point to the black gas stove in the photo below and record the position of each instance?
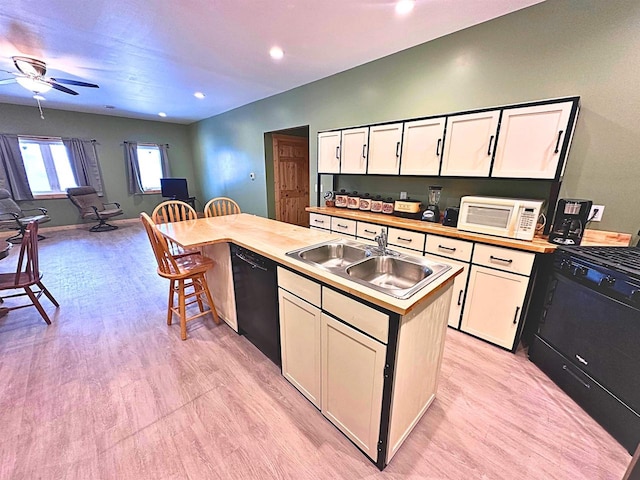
(589, 332)
(612, 271)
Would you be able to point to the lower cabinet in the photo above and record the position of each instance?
(220, 280)
(300, 344)
(459, 287)
(494, 305)
(352, 382)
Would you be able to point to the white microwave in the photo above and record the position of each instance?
(503, 217)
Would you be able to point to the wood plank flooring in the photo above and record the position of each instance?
(109, 391)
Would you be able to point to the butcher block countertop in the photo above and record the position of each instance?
(273, 239)
(539, 244)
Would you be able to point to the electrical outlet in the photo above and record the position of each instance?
(595, 215)
(403, 195)
(252, 176)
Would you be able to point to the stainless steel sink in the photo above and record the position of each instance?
(395, 274)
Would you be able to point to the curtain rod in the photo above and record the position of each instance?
(126, 142)
(37, 137)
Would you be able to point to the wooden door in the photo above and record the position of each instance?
(291, 176)
(469, 144)
(384, 149)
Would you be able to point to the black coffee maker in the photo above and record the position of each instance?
(570, 221)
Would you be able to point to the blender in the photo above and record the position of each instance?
(432, 213)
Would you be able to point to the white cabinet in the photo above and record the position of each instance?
(422, 147)
(343, 226)
(531, 140)
(329, 152)
(220, 280)
(318, 220)
(469, 144)
(459, 287)
(353, 157)
(352, 383)
(406, 239)
(384, 149)
(368, 231)
(300, 344)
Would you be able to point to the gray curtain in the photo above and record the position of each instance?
(84, 161)
(13, 175)
(164, 158)
(133, 169)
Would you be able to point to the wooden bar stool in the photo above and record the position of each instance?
(186, 274)
(221, 206)
(174, 211)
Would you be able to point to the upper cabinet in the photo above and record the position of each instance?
(532, 140)
(469, 144)
(384, 149)
(329, 152)
(354, 150)
(422, 147)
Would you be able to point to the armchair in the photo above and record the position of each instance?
(90, 206)
(13, 217)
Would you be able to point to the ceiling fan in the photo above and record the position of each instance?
(32, 77)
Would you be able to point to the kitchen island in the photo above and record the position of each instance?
(368, 361)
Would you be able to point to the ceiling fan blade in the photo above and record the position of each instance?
(7, 81)
(74, 82)
(62, 89)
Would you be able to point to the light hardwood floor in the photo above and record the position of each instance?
(110, 391)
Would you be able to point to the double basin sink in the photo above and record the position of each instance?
(392, 273)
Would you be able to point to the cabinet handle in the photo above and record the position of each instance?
(489, 148)
(505, 260)
(364, 148)
(438, 147)
(319, 221)
(405, 239)
(338, 152)
(397, 149)
(451, 249)
(460, 297)
(372, 232)
(558, 142)
(515, 317)
(584, 384)
(341, 226)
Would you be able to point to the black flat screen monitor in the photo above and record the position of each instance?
(175, 188)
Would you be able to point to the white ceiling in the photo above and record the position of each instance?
(150, 56)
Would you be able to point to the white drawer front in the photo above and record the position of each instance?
(301, 287)
(406, 239)
(319, 221)
(505, 259)
(341, 225)
(364, 318)
(449, 247)
(369, 230)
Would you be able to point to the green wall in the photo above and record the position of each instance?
(554, 49)
(109, 132)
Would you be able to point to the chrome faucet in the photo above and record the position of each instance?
(382, 241)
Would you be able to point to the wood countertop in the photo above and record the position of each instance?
(273, 239)
(538, 245)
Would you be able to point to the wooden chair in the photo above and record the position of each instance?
(27, 274)
(186, 272)
(174, 211)
(221, 206)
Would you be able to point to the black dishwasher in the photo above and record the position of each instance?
(256, 291)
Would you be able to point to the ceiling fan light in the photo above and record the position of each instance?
(404, 6)
(33, 85)
(38, 97)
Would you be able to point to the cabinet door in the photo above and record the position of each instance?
(300, 344)
(531, 140)
(354, 150)
(384, 149)
(352, 382)
(422, 147)
(493, 306)
(459, 287)
(469, 144)
(329, 152)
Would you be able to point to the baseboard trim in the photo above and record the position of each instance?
(125, 221)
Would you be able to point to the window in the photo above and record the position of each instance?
(150, 164)
(47, 165)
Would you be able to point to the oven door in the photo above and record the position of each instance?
(598, 334)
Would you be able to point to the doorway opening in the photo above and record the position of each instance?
(287, 175)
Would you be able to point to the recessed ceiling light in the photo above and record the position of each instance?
(404, 6)
(276, 53)
(162, 114)
(199, 95)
